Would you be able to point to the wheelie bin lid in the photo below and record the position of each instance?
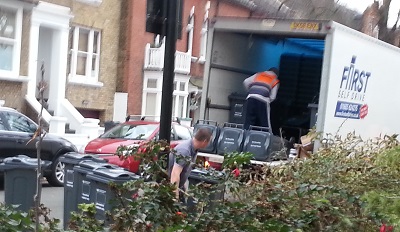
(89, 165)
(75, 158)
(22, 162)
(106, 175)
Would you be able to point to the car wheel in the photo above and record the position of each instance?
(56, 177)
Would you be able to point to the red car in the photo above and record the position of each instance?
(132, 133)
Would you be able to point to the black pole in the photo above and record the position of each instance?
(168, 73)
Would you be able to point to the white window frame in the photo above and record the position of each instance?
(158, 91)
(91, 76)
(189, 30)
(180, 93)
(204, 35)
(13, 74)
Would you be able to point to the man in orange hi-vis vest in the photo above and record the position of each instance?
(262, 88)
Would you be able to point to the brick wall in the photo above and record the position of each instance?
(136, 39)
(26, 22)
(13, 94)
(106, 18)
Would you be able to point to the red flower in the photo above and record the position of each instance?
(134, 196)
(383, 228)
(180, 214)
(236, 172)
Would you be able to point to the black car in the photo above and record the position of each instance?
(16, 130)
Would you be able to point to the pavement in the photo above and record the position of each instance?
(52, 198)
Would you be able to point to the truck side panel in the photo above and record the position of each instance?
(363, 88)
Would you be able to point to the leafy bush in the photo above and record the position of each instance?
(84, 220)
(348, 185)
(14, 220)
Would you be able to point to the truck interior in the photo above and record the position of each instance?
(236, 56)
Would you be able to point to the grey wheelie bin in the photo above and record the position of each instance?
(83, 183)
(20, 177)
(102, 195)
(216, 190)
(70, 160)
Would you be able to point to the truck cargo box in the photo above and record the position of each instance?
(331, 76)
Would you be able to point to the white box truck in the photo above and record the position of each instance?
(331, 76)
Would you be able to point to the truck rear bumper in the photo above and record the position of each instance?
(220, 159)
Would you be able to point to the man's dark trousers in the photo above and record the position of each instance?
(256, 113)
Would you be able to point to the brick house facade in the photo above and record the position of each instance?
(137, 74)
(95, 99)
(93, 54)
(77, 41)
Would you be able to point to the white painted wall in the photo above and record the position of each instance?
(120, 106)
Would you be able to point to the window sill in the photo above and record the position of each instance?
(14, 78)
(84, 82)
(194, 59)
(91, 2)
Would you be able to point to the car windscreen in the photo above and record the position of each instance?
(125, 131)
(18, 122)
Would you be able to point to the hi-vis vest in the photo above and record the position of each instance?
(263, 83)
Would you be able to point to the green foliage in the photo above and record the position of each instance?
(236, 159)
(348, 185)
(14, 220)
(84, 220)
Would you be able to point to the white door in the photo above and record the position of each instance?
(44, 59)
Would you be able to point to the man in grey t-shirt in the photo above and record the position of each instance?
(184, 156)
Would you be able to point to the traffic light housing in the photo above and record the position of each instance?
(157, 17)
